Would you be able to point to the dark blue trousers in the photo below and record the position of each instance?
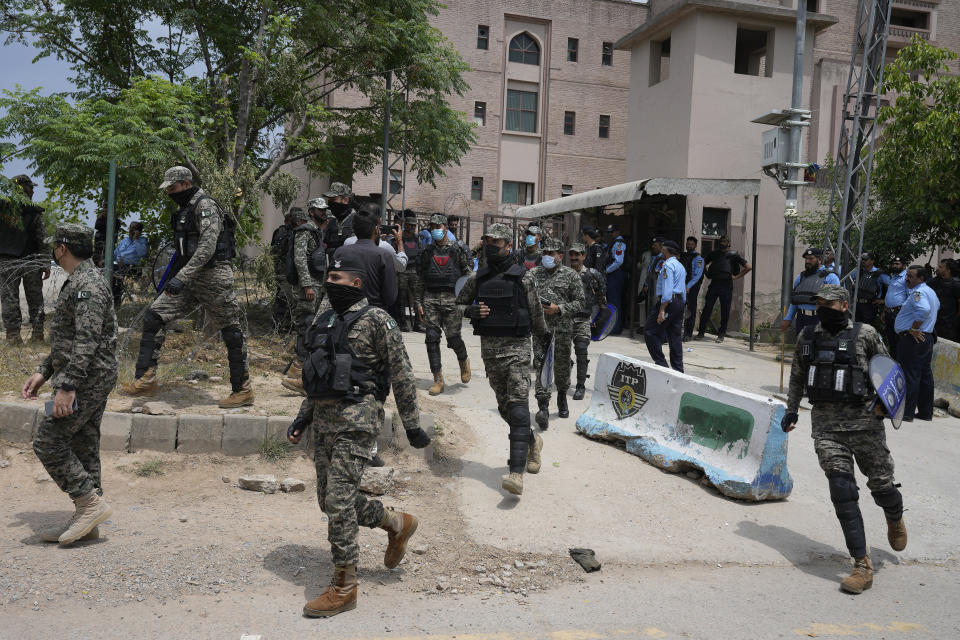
(889, 318)
(691, 314)
(615, 282)
(671, 329)
(722, 291)
(915, 358)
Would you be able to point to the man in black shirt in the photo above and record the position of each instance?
(723, 267)
(380, 281)
(591, 240)
(947, 287)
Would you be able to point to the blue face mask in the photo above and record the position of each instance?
(530, 240)
(437, 234)
(548, 262)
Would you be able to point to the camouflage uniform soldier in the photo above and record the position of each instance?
(837, 352)
(501, 301)
(561, 294)
(82, 369)
(441, 265)
(204, 238)
(407, 280)
(21, 259)
(284, 299)
(595, 296)
(361, 347)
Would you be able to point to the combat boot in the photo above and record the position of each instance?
(563, 410)
(142, 386)
(91, 511)
(465, 374)
(340, 596)
(513, 483)
(579, 391)
(53, 534)
(897, 534)
(241, 398)
(533, 454)
(294, 379)
(399, 527)
(438, 386)
(37, 334)
(861, 578)
(542, 416)
(13, 336)
(405, 325)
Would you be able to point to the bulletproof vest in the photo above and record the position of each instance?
(529, 261)
(722, 268)
(686, 259)
(186, 233)
(587, 277)
(808, 286)
(15, 242)
(834, 374)
(443, 271)
(869, 288)
(332, 368)
(346, 226)
(413, 249)
(316, 261)
(279, 246)
(503, 292)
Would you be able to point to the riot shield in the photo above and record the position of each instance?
(601, 324)
(546, 370)
(462, 280)
(891, 386)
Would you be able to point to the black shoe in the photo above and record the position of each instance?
(377, 461)
(579, 391)
(924, 418)
(405, 326)
(687, 338)
(700, 336)
(719, 339)
(543, 415)
(562, 410)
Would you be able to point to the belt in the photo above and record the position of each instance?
(894, 309)
(802, 312)
(907, 332)
(676, 296)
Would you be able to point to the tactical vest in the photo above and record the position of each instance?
(345, 229)
(442, 271)
(587, 277)
(834, 375)
(869, 287)
(413, 249)
(279, 246)
(332, 368)
(807, 287)
(186, 234)
(724, 267)
(503, 292)
(14, 242)
(316, 261)
(529, 261)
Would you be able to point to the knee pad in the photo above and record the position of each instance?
(152, 322)
(518, 414)
(580, 346)
(433, 335)
(890, 500)
(232, 337)
(843, 488)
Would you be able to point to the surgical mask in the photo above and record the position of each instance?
(182, 198)
(548, 262)
(342, 296)
(832, 320)
(436, 234)
(530, 240)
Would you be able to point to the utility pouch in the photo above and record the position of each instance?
(341, 372)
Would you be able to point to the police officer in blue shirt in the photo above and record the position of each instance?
(914, 327)
(805, 287)
(870, 290)
(693, 264)
(665, 320)
(896, 295)
(613, 267)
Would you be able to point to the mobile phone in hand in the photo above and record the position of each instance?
(48, 407)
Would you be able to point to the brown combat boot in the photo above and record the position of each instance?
(438, 386)
(242, 398)
(340, 596)
(294, 379)
(399, 527)
(533, 454)
(37, 334)
(142, 386)
(91, 511)
(465, 374)
(897, 534)
(13, 336)
(53, 533)
(513, 483)
(861, 578)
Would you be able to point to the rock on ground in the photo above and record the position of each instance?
(377, 480)
(157, 408)
(260, 482)
(292, 485)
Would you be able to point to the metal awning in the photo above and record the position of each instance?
(630, 191)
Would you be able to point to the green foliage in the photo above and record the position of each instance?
(275, 449)
(149, 468)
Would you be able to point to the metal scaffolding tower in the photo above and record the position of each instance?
(394, 180)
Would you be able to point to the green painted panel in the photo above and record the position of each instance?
(716, 425)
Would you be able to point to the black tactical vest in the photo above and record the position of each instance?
(18, 242)
(503, 292)
(869, 287)
(443, 271)
(279, 247)
(808, 286)
(316, 261)
(587, 277)
(332, 368)
(186, 234)
(413, 249)
(686, 259)
(834, 374)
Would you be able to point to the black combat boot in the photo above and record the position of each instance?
(543, 415)
(562, 410)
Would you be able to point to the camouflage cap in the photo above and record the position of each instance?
(552, 244)
(338, 190)
(438, 218)
(499, 231)
(830, 292)
(577, 247)
(72, 233)
(317, 203)
(24, 179)
(534, 230)
(297, 214)
(175, 174)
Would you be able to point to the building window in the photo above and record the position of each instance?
(396, 181)
(517, 193)
(566, 190)
(813, 6)
(659, 61)
(604, 126)
(483, 36)
(573, 44)
(524, 49)
(569, 122)
(521, 111)
(751, 57)
(606, 58)
(476, 188)
(480, 113)
(714, 222)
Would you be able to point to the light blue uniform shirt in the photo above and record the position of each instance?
(130, 251)
(792, 309)
(896, 290)
(671, 280)
(618, 252)
(883, 280)
(836, 268)
(921, 304)
(696, 271)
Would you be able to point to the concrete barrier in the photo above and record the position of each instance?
(946, 371)
(677, 422)
(18, 421)
(243, 434)
(157, 433)
(115, 430)
(199, 434)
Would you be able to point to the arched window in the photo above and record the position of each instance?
(524, 49)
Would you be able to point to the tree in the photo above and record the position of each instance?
(234, 90)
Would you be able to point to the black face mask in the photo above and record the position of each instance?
(832, 320)
(494, 258)
(342, 296)
(339, 209)
(182, 198)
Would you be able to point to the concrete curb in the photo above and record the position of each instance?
(230, 434)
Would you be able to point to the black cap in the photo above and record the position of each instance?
(899, 258)
(587, 229)
(348, 260)
(659, 239)
(670, 244)
(409, 213)
(612, 227)
(868, 255)
(812, 252)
